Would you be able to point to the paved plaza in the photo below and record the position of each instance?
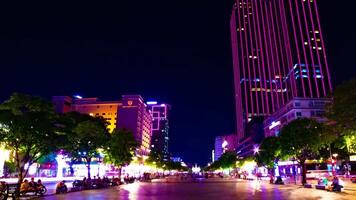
(204, 190)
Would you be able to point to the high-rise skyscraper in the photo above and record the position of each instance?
(160, 128)
(278, 54)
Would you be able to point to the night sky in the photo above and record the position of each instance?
(173, 51)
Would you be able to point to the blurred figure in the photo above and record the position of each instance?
(336, 187)
(25, 186)
(61, 187)
(33, 184)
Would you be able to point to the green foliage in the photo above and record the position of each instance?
(120, 148)
(226, 161)
(270, 151)
(29, 128)
(86, 135)
(155, 158)
(9, 167)
(302, 139)
(170, 165)
(342, 113)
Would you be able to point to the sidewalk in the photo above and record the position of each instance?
(349, 187)
(43, 179)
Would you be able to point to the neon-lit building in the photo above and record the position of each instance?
(278, 55)
(224, 143)
(160, 128)
(90, 106)
(135, 116)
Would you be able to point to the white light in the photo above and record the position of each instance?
(78, 96)
(256, 149)
(163, 105)
(274, 124)
(224, 144)
(151, 102)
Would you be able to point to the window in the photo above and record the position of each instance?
(103, 113)
(299, 114)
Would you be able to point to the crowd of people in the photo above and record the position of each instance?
(32, 186)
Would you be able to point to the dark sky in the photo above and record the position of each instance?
(175, 51)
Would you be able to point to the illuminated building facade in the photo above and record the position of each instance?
(160, 128)
(135, 116)
(297, 108)
(224, 143)
(278, 55)
(90, 106)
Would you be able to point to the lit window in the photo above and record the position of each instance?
(305, 43)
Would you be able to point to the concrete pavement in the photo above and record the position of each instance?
(204, 190)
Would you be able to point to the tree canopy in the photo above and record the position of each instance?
(342, 113)
(87, 135)
(29, 128)
(269, 152)
(121, 147)
(302, 139)
(227, 160)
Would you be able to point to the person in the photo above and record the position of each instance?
(61, 187)
(2, 186)
(40, 184)
(25, 186)
(41, 189)
(335, 184)
(33, 184)
(279, 181)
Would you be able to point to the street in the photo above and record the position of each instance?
(204, 190)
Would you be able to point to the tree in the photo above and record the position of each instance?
(171, 165)
(28, 127)
(228, 160)
(121, 148)
(86, 138)
(302, 139)
(155, 158)
(342, 114)
(269, 153)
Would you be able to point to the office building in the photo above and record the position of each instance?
(135, 116)
(224, 143)
(160, 128)
(91, 106)
(278, 55)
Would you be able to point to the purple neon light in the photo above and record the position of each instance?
(304, 51)
(243, 62)
(248, 59)
(296, 46)
(259, 57)
(262, 57)
(311, 50)
(238, 96)
(323, 45)
(289, 49)
(317, 48)
(275, 48)
(268, 60)
(253, 60)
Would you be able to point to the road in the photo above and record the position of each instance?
(203, 190)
